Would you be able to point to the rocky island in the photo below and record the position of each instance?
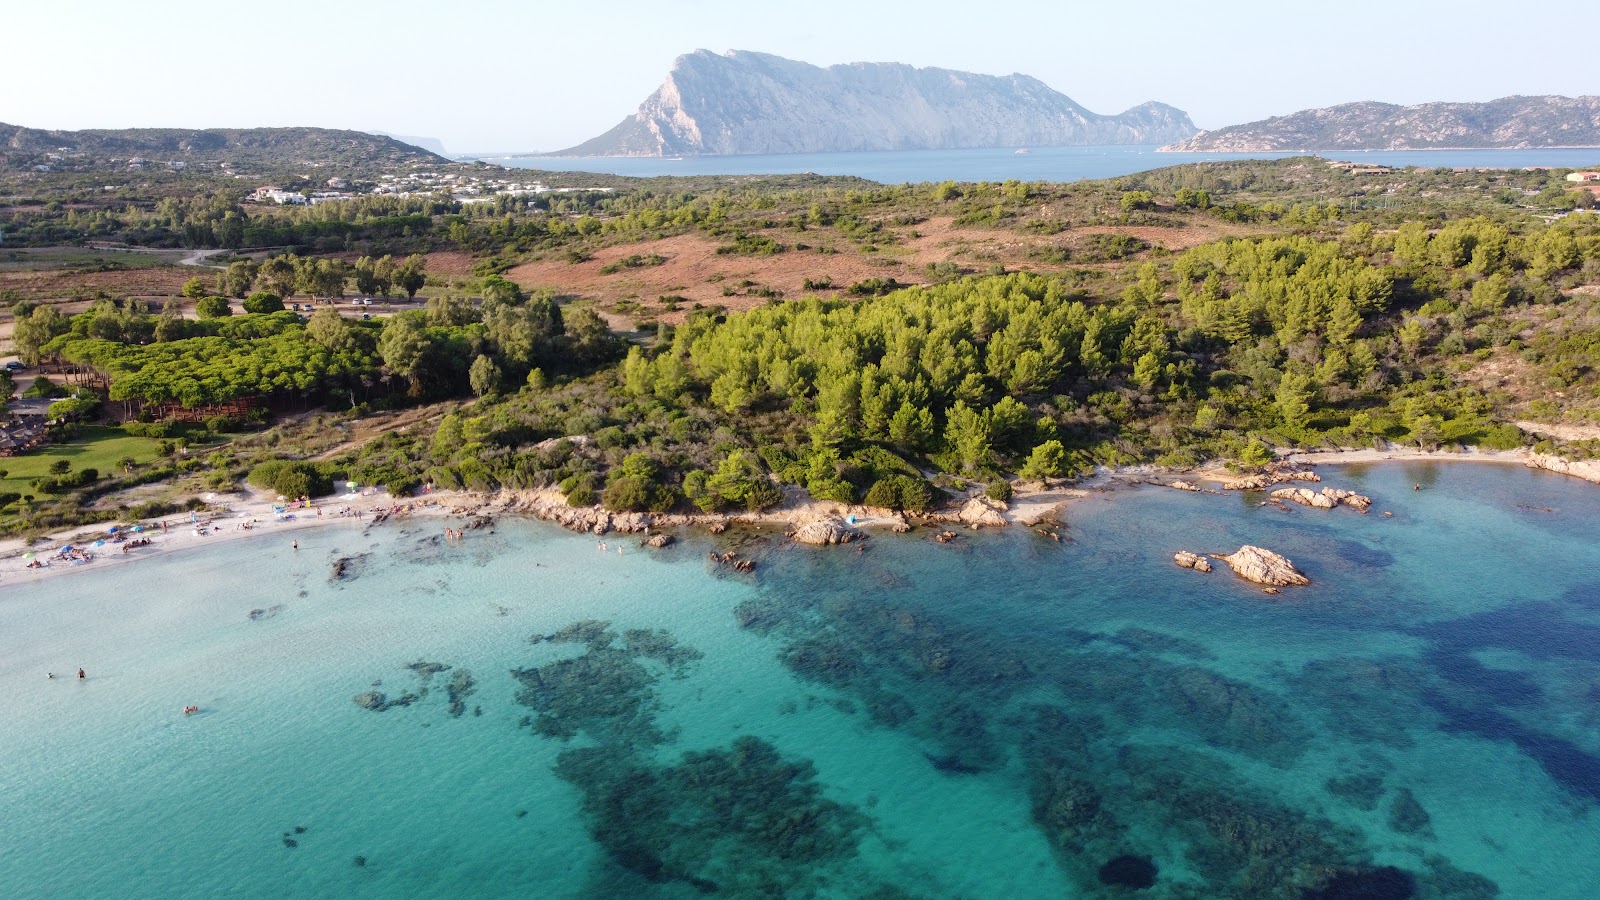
(741, 102)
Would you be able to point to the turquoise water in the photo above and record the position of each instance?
(999, 164)
(998, 717)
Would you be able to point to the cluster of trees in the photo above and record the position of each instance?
(316, 277)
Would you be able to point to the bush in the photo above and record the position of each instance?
(222, 424)
(213, 308)
(262, 302)
(44, 388)
(763, 495)
(289, 478)
(999, 490)
(61, 484)
(902, 492)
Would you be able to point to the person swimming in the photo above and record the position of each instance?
(80, 673)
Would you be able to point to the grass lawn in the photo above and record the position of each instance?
(96, 447)
(81, 258)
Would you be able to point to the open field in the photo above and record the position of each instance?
(96, 447)
(696, 273)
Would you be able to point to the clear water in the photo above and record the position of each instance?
(998, 717)
(999, 164)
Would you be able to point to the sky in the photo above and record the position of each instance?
(524, 75)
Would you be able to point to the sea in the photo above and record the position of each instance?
(1037, 164)
(386, 714)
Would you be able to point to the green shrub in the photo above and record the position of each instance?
(999, 490)
(262, 302)
(902, 492)
(290, 478)
(213, 308)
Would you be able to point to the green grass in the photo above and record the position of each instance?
(81, 259)
(96, 447)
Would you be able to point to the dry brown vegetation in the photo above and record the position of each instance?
(695, 272)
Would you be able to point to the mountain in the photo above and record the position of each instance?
(263, 150)
(743, 102)
(1510, 123)
(430, 144)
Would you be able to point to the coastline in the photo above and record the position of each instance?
(1040, 509)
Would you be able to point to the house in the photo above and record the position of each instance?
(271, 194)
(1585, 177)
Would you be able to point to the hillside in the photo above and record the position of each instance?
(243, 150)
(743, 102)
(1510, 122)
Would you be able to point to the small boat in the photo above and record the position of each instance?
(1023, 151)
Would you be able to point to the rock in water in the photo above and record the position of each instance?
(984, 512)
(1328, 499)
(371, 700)
(826, 531)
(1264, 567)
(1194, 561)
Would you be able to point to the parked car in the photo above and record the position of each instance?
(15, 366)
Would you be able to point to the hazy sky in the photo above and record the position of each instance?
(486, 75)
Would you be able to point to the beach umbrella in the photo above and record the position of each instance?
(138, 528)
(66, 548)
(99, 543)
(29, 555)
(112, 530)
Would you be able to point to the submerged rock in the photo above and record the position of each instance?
(1264, 567)
(1129, 871)
(374, 700)
(257, 615)
(658, 541)
(1195, 561)
(827, 531)
(1407, 816)
(1381, 883)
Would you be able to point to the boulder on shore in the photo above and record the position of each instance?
(1182, 485)
(983, 511)
(1264, 567)
(827, 531)
(1195, 561)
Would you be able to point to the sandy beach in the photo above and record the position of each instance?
(225, 523)
(1028, 507)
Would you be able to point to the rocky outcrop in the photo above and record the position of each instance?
(1263, 480)
(827, 531)
(983, 512)
(742, 102)
(1182, 485)
(1328, 499)
(1587, 469)
(1187, 560)
(1510, 122)
(1264, 567)
(658, 541)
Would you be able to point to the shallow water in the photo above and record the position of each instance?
(999, 717)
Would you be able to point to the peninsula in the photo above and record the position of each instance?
(1510, 122)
